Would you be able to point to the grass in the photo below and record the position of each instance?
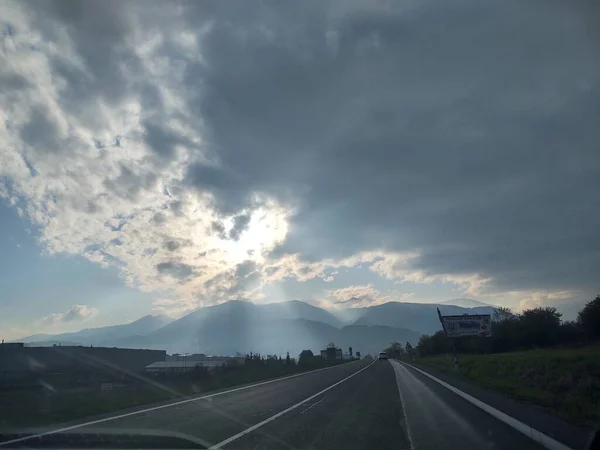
(31, 408)
(565, 381)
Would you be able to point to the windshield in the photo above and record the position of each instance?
(258, 224)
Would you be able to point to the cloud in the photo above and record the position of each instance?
(174, 269)
(418, 140)
(77, 313)
(240, 224)
(175, 308)
(357, 296)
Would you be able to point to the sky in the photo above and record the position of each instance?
(156, 157)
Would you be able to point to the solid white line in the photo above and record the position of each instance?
(285, 411)
(313, 405)
(168, 405)
(538, 436)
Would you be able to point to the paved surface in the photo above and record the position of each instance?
(575, 437)
(362, 413)
(439, 419)
(366, 411)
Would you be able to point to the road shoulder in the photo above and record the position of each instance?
(573, 436)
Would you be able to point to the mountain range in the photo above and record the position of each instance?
(275, 328)
(101, 335)
(421, 317)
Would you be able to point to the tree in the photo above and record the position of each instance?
(409, 350)
(331, 345)
(395, 350)
(589, 318)
(306, 358)
(287, 358)
(435, 344)
(501, 314)
(540, 326)
(571, 332)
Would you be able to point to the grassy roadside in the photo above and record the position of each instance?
(43, 407)
(566, 381)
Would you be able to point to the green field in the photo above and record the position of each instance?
(29, 408)
(566, 381)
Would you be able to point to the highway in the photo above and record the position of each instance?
(361, 405)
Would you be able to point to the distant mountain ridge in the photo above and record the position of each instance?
(276, 328)
(237, 335)
(421, 317)
(467, 303)
(102, 335)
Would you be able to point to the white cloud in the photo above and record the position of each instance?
(96, 182)
(519, 301)
(397, 266)
(357, 296)
(175, 308)
(77, 313)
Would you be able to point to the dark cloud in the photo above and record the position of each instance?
(236, 282)
(175, 269)
(41, 132)
(159, 219)
(217, 227)
(240, 224)
(98, 30)
(245, 277)
(161, 140)
(12, 82)
(172, 245)
(175, 244)
(435, 129)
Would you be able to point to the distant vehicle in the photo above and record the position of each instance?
(382, 355)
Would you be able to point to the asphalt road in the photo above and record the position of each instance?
(383, 405)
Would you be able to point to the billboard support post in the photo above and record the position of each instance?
(454, 352)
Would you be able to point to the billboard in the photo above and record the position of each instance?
(467, 325)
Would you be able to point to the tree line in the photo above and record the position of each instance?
(533, 328)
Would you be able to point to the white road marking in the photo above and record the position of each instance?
(168, 405)
(313, 405)
(536, 435)
(285, 411)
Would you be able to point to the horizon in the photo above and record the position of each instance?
(332, 311)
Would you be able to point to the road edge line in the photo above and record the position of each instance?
(285, 411)
(168, 405)
(527, 430)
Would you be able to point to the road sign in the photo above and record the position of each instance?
(467, 325)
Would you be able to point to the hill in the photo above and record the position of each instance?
(420, 317)
(237, 335)
(467, 303)
(238, 326)
(101, 335)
